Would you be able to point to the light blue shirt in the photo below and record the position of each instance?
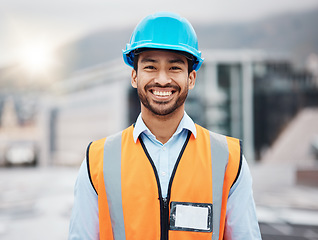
(241, 221)
(165, 155)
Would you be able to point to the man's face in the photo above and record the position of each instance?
(162, 81)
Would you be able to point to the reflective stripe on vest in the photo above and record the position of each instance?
(218, 170)
(112, 178)
(116, 174)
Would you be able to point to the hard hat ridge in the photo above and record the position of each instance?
(167, 31)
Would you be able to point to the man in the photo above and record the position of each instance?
(164, 177)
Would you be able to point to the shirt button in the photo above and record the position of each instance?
(164, 148)
(163, 173)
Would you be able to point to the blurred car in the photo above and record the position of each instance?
(20, 153)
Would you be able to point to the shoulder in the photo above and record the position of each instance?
(95, 156)
(98, 145)
(225, 141)
(95, 149)
(225, 145)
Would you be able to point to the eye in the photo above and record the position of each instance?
(150, 67)
(175, 68)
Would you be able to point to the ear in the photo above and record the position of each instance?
(134, 78)
(192, 78)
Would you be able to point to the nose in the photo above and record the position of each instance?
(163, 78)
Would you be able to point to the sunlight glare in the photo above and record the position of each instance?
(37, 58)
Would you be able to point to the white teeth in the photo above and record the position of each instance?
(162, 94)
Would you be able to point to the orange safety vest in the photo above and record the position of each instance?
(129, 195)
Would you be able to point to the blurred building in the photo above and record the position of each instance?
(247, 94)
(254, 96)
(92, 104)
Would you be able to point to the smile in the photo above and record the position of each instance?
(162, 93)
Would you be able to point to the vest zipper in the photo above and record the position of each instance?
(165, 219)
(164, 202)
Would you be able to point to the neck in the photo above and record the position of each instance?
(163, 127)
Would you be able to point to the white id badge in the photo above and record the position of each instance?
(197, 217)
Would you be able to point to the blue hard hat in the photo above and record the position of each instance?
(167, 31)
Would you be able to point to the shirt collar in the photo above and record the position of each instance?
(185, 123)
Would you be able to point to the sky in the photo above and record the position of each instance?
(31, 29)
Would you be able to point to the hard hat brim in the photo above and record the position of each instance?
(129, 53)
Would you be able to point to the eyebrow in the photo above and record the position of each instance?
(176, 60)
(145, 60)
